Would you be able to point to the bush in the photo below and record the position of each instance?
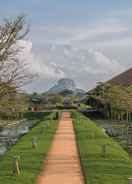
(36, 115)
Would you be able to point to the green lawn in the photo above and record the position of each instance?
(31, 160)
(115, 168)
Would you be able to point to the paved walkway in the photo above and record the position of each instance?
(62, 165)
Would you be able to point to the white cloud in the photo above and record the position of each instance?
(87, 54)
(98, 31)
(38, 65)
(104, 64)
(122, 12)
(85, 66)
(109, 32)
(66, 35)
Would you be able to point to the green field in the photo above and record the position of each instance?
(115, 167)
(31, 160)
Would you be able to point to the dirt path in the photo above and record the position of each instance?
(62, 165)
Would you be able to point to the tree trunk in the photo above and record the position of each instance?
(127, 116)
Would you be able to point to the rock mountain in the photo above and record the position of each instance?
(63, 85)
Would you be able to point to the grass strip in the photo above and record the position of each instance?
(113, 168)
(31, 160)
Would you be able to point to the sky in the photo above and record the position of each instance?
(87, 41)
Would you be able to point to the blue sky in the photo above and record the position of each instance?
(61, 11)
(85, 40)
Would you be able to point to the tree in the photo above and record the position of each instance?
(117, 100)
(13, 71)
(99, 90)
(13, 105)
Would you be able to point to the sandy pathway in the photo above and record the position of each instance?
(62, 165)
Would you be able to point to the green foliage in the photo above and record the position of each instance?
(84, 106)
(116, 100)
(11, 106)
(31, 160)
(114, 169)
(35, 115)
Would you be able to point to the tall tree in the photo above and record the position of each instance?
(13, 71)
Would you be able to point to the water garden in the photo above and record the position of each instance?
(83, 136)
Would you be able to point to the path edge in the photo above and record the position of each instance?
(79, 153)
(43, 167)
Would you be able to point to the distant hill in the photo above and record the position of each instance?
(123, 79)
(65, 86)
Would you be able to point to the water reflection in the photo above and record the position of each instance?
(12, 132)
